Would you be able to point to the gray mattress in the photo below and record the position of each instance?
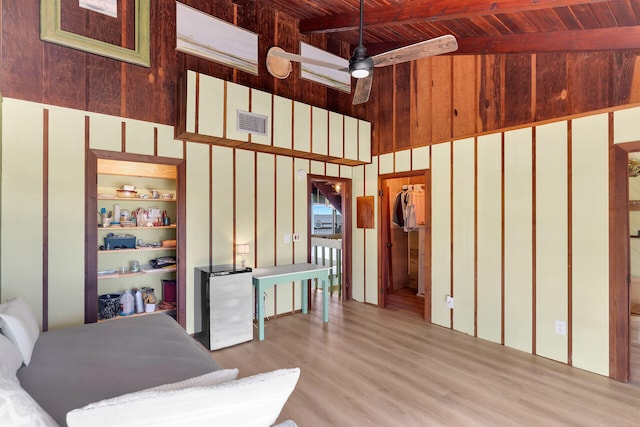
(73, 367)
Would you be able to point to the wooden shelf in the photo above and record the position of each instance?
(173, 311)
(171, 269)
(136, 199)
(120, 251)
(119, 227)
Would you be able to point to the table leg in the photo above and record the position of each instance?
(305, 297)
(260, 313)
(325, 301)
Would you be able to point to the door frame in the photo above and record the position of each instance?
(347, 213)
(383, 260)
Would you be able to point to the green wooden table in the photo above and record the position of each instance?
(264, 278)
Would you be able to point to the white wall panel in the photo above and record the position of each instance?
(261, 104)
(317, 168)
(551, 239)
(364, 141)
(210, 107)
(245, 203)
(140, 137)
(590, 244)
(66, 217)
(386, 162)
(332, 169)
(167, 146)
(464, 235)
(403, 161)
(440, 232)
(489, 276)
(221, 205)
(302, 128)
(237, 99)
(191, 101)
(336, 134)
(282, 122)
(22, 193)
(420, 158)
(371, 260)
(265, 219)
(350, 138)
(284, 225)
(197, 217)
(105, 132)
(626, 125)
(319, 131)
(300, 221)
(358, 239)
(518, 244)
(346, 172)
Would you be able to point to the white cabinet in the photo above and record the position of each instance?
(223, 312)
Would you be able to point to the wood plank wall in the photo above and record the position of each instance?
(434, 100)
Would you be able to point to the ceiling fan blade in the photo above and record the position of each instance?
(432, 47)
(363, 89)
(305, 60)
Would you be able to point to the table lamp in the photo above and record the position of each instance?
(242, 249)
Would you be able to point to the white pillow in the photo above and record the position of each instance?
(20, 326)
(17, 407)
(10, 355)
(247, 402)
(212, 378)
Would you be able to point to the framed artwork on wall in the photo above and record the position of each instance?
(59, 24)
(335, 79)
(214, 39)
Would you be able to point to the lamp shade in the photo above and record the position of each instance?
(242, 249)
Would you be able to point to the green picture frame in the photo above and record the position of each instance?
(51, 31)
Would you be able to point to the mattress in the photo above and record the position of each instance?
(76, 366)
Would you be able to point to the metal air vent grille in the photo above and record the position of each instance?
(251, 123)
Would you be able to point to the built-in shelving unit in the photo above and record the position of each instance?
(108, 266)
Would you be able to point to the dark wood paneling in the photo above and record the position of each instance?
(402, 108)
(551, 86)
(489, 92)
(517, 89)
(382, 93)
(441, 98)
(464, 95)
(420, 101)
(589, 81)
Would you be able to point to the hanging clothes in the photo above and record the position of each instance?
(398, 210)
(409, 210)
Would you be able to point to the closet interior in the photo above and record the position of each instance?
(405, 236)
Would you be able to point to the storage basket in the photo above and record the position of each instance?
(108, 306)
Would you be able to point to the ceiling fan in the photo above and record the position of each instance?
(361, 64)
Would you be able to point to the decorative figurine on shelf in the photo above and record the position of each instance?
(149, 298)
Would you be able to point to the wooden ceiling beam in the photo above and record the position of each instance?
(427, 11)
(597, 39)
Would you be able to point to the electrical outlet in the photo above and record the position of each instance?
(449, 301)
(561, 327)
(296, 237)
(287, 238)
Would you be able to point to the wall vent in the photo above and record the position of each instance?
(251, 123)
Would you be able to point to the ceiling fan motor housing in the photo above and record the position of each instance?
(360, 64)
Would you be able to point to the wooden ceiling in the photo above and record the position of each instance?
(481, 27)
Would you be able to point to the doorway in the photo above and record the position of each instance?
(329, 230)
(404, 251)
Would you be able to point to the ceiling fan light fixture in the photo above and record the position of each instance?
(360, 64)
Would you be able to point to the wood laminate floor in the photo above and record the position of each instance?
(384, 367)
